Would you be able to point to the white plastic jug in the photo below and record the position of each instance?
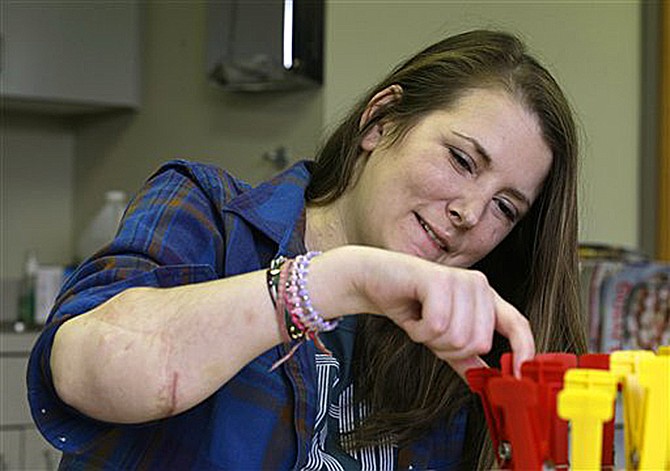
(102, 228)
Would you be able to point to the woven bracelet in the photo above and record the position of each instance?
(274, 275)
(302, 320)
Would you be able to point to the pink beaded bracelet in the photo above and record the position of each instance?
(292, 296)
(299, 302)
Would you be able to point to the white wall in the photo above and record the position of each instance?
(183, 115)
(53, 179)
(593, 48)
(37, 162)
(36, 198)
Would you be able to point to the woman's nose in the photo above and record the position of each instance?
(465, 214)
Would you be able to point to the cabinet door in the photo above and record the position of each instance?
(25, 449)
(10, 450)
(71, 53)
(39, 453)
(14, 405)
(21, 445)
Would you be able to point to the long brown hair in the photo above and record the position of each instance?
(535, 268)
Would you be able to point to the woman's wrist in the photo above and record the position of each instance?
(337, 281)
(287, 281)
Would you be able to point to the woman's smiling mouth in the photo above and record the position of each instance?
(442, 244)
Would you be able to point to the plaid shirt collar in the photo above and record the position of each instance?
(282, 220)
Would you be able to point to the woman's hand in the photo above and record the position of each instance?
(453, 311)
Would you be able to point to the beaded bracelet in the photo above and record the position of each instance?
(298, 300)
(294, 330)
(287, 281)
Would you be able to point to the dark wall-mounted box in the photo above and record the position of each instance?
(265, 45)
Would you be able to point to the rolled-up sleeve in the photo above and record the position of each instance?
(171, 235)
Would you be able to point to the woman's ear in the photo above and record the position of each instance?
(381, 99)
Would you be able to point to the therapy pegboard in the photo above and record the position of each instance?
(561, 413)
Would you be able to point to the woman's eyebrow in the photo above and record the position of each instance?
(478, 147)
(487, 161)
(520, 196)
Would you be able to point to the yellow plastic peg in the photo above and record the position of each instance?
(664, 351)
(654, 378)
(624, 364)
(587, 401)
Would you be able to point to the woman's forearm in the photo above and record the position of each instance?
(149, 353)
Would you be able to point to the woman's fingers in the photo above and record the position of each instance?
(453, 311)
(461, 366)
(514, 326)
(464, 305)
(457, 319)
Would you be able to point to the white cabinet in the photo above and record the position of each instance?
(26, 449)
(68, 56)
(21, 445)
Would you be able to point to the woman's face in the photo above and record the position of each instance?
(455, 185)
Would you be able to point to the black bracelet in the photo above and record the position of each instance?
(272, 276)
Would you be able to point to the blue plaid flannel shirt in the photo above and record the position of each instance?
(192, 223)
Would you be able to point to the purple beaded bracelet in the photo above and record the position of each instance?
(299, 302)
(303, 321)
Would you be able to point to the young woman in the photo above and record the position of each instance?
(443, 207)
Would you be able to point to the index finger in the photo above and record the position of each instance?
(515, 327)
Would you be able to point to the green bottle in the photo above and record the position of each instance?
(26, 314)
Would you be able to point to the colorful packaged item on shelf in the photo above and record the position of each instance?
(636, 303)
(627, 304)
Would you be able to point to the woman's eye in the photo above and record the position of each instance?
(461, 160)
(508, 210)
